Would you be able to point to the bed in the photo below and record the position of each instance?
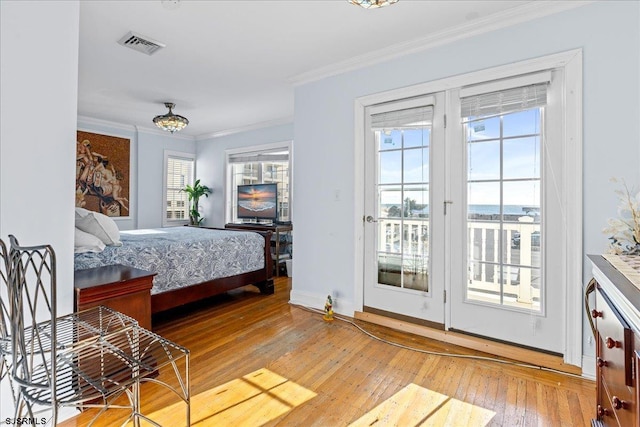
(191, 263)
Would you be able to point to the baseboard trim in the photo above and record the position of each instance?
(498, 349)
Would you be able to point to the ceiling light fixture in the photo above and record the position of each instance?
(170, 122)
(372, 4)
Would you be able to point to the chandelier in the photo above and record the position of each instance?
(170, 122)
(372, 4)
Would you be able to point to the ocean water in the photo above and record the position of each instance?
(507, 209)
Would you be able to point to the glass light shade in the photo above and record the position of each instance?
(372, 4)
(170, 122)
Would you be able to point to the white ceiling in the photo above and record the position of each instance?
(231, 65)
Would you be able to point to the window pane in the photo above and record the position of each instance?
(416, 201)
(483, 200)
(390, 140)
(522, 123)
(416, 165)
(522, 197)
(389, 269)
(522, 158)
(390, 200)
(417, 137)
(478, 130)
(483, 160)
(390, 170)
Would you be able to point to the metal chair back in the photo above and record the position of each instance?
(32, 294)
(5, 321)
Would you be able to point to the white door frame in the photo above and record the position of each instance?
(571, 61)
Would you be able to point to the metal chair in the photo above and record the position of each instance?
(5, 323)
(62, 361)
(93, 358)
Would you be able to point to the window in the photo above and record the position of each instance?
(179, 172)
(260, 165)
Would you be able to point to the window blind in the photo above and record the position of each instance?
(505, 96)
(417, 117)
(260, 156)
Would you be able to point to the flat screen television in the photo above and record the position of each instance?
(258, 202)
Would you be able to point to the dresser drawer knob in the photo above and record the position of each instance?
(611, 343)
(602, 411)
(601, 362)
(618, 403)
(595, 313)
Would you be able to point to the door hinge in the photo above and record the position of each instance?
(445, 296)
(445, 121)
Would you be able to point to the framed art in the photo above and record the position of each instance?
(103, 173)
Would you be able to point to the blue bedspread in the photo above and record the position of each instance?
(182, 256)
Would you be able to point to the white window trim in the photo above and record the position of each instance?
(228, 179)
(175, 154)
(571, 62)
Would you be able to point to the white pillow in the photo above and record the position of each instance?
(85, 242)
(100, 225)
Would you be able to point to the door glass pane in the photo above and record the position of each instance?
(390, 169)
(522, 158)
(390, 201)
(389, 139)
(504, 239)
(416, 165)
(480, 129)
(403, 207)
(389, 269)
(483, 160)
(417, 138)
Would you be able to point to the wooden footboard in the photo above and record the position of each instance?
(262, 279)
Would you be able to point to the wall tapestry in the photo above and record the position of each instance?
(102, 173)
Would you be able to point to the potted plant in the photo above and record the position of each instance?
(195, 192)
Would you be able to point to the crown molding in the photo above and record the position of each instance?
(516, 15)
(91, 121)
(247, 128)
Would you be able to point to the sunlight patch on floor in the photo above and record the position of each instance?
(419, 406)
(254, 399)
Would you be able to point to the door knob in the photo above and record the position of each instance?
(369, 218)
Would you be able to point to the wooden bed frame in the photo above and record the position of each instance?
(262, 279)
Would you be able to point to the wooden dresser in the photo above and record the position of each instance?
(616, 318)
(122, 288)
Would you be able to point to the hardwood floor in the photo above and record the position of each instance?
(258, 361)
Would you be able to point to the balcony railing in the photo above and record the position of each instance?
(503, 258)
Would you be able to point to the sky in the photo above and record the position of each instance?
(520, 163)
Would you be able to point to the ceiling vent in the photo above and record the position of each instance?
(140, 43)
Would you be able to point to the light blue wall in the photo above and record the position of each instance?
(38, 110)
(151, 148)
(608, 33)
(210, 164)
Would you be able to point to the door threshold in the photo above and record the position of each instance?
(532, 357)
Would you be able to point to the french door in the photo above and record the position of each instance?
(405, 156)
(471, 210)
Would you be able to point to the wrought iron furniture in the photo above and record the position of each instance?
(92, 358)
(5, 322)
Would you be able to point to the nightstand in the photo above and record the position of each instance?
(120, 287)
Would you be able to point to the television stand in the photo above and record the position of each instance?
(280, 240)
